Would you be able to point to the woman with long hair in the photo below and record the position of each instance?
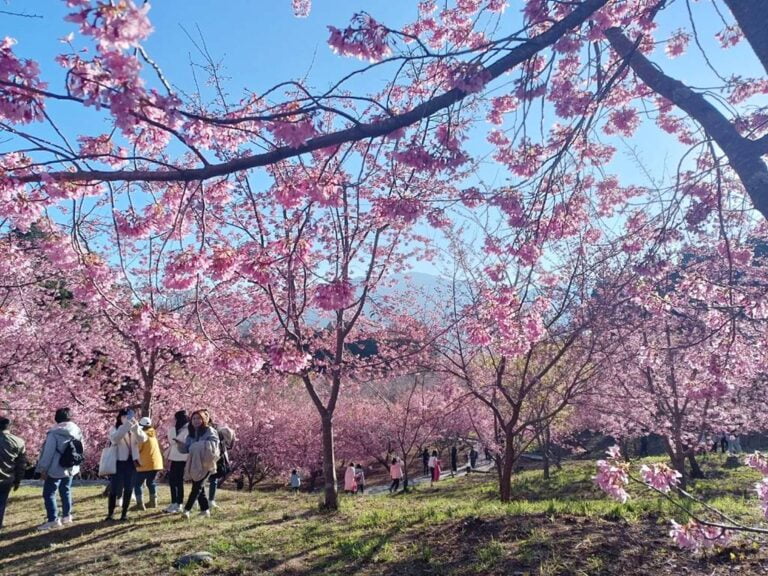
(202, 447)
(124, 435)
(177, 434)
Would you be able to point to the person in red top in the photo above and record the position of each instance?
(396, 473)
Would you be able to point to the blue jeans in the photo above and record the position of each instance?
(5, 490)
(149, 478)
(64, 486)
(213, 483)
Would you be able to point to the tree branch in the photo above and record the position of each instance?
(744, 155)
(514, 57)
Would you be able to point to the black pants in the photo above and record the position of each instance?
(5, 490)
(121, 484)
(197, 493)
(395, 485)
(176, 482)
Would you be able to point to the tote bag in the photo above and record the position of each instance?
(108, 461)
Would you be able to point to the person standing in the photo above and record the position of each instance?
(226, 442)
(395, 473)
(55, 476)
(360, 478)
(350, 487)
(454, 460)
(436, 471)
(13, 463)
(202, 446)
(177, 434)
(431, 464)
(473, 454)
(295, 481)
(150, 462)
(125, 436)
(425, 460)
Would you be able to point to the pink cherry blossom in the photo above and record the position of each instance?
(660, 476)
(334, 295)
(695, 536)
(365, 38)
(301, 8)
(612, 476)
(762, 493)
(757, 461)
(16, 104)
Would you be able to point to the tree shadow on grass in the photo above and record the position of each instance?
(354, 554)
(33, 550)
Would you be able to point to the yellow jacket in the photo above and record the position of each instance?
(150, 455)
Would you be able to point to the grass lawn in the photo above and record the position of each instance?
(561, 526)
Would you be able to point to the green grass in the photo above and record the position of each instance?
(563, 525)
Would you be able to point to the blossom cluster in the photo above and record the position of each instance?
(612, 475)
(334, 295)
(114, 25)
(301, 8)
(660, 476)
(696, 536)
(760, 463)
(18, 104)
(365, 38)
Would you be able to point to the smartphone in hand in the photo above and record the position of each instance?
(130, 414)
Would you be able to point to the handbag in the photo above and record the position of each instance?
(108, 461)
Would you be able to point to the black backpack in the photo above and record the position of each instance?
(72, 454)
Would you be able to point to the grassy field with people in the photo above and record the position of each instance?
(564, 525)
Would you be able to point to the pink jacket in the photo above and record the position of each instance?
(349, 479)
(396, 471)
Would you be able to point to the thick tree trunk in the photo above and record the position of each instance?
(696, 471)
(146, 400)
(329, 465)
(744, 155)
(505, 487)
(752, 16)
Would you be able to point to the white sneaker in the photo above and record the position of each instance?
(205, 514)
(50, 525)
(213, 504)
(172, 509)
(67, 519)
(186, 514)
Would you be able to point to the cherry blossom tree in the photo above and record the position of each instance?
(690, 353)
(255, 228)
(414, 414)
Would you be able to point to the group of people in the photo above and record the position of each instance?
(432, 463)
(727, 442)
(354, 479)
(197, 452)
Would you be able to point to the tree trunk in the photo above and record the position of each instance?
(696, 471)
(146, 400)
(544, 443)
(329, 465)
(677, 457)
(752, 16)
(505, 488)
